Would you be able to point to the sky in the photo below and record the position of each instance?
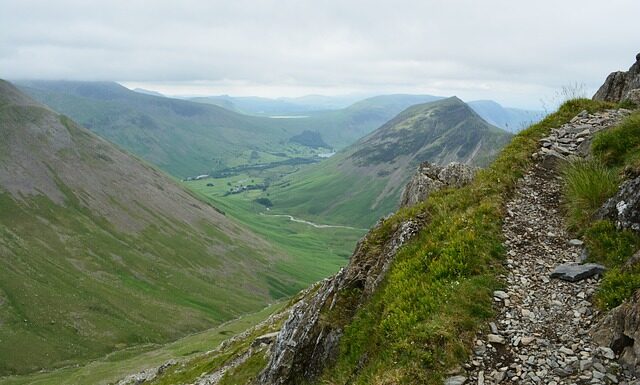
(519, 53)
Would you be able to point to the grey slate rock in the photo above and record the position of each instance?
(624, 208)
(455, 380)
(620, 85)
(574, 273)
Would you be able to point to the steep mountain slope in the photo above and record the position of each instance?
(341, 128)
(99, 250)
(363, 182)
(182, 137)
(510, 119)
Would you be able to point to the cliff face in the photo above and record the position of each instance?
(309, 339)
(621, 85)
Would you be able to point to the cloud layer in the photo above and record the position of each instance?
(513, 51)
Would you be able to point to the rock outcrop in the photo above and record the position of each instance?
(431, 177)
(620, 331)
(623, 209)
(309, 339)
(621, 85)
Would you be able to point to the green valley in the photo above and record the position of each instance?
(100, 251)
(363, 182)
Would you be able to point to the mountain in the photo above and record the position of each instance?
(281, 106)
(147, 92)
(255, 105)
(510, 119)
(101, 251)
(186, 138)
(363, 182)
(182, 137)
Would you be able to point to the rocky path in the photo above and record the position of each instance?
(541, 333)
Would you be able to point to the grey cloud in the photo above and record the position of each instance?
(495, 48)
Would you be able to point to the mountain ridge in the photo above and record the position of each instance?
(368, 176)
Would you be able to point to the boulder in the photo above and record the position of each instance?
(266, 339)
(621, 85)
(619, 330)
(455, 380)
(576, 272)
(624, 208)
(431, 177)
(552, 159)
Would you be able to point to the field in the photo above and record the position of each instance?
(318, 252)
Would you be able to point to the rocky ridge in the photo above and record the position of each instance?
(431, 177)
(621, 85)
(541, 334)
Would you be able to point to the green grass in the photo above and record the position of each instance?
(121, 363)
(620, 146)
(319, 252)
(588, 185)
(66, 304)
(437, 294)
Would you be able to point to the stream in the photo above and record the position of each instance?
(317, 226)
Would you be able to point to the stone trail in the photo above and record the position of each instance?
(541, 334)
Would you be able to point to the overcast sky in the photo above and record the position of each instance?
(515, 52)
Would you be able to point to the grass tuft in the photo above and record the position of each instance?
(588, 184)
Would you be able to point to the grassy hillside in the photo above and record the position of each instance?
(119, 364)
(182, 137)
(100, 251)
(187, 138)
(363, 182)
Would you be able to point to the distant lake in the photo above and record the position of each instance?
(288, 116)
(327, 155)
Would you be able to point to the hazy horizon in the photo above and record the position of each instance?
(515, 54)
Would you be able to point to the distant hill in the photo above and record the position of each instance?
(363, 182)
(343, 127)
(187, 138)
(510, 119)
(147, 92)
(280, 106)
(184, 138)
(99, 250)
